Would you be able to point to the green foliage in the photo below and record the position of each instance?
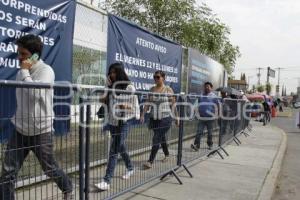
(253, 88)
(181, 21)
(243, 76)
(87, 66)
(268, 88)
(260, 88)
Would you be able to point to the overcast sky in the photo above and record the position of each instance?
(268, 34)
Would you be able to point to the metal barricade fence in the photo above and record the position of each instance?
(236, 120)
(239, 119)
(227, 127)
(95, 149)
(197, 139)
(130, 146)
(28, 150)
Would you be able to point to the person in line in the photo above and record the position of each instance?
(280, 107)
(275, 104)
(123, 109)
(223, 120)
(266, 113)
(33, 122)
(160, 117)
(206, 109)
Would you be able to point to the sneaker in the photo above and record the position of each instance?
(102, 186)
(166, 158)
(210, 147)
(194, 147)
(68, 196)
(147, 165)
(128, 174)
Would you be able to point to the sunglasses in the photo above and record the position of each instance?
(156, 77)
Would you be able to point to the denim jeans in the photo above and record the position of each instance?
(266, 117)
(18, 148)
(117, 146)
(161, 128)
(200, 132)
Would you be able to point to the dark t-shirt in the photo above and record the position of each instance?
(266, 106)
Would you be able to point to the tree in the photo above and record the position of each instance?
(283, 93)
(87, 62)
(253, 88)
(268, 88)
(260, 88)
(181, 21)
(243, 76)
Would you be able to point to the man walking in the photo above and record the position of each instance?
(207, 105)
(267, 112)
(33, 122)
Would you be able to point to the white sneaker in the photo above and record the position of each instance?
(128, 174)
(102, 186)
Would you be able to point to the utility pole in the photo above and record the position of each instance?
(268, 76)
(259, 75)
(268, 82)
(278, 83)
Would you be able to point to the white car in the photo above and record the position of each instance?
(297, 104)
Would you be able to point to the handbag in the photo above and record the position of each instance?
(101, 112)
(151, 123)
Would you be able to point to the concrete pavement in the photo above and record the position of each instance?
(287, 112)
(250, 172)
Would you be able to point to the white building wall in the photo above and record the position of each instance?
(90, 27)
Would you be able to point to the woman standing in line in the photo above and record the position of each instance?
(160, 116)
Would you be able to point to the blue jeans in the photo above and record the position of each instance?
(200, 132)
(117, 146)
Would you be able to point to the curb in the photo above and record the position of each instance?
(270, 181)
(285, 114)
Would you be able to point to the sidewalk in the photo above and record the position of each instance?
(287, 112)
(250, 172)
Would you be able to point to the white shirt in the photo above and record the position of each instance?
(115, 114)
(34, 114)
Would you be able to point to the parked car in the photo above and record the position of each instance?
(296, 104)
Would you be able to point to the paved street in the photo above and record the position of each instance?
(289, 183)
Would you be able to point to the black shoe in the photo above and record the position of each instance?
(68, 196)
(195, 147)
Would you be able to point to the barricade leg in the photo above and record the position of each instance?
(224, 151)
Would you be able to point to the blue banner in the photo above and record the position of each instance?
(53, 21)
(143, 53)
(201, 69)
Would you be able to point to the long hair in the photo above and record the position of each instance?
(120, 76)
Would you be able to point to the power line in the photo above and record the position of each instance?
(293, 78)
(248, 68)
(265, 68)
(291, 70)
